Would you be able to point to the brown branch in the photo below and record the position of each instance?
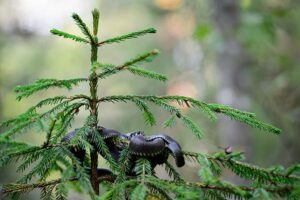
(22, 187)
(277, 189)
(117, 68)
(49, 133)
(81, 96)
(127, 64)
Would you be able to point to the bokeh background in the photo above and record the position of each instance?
(243, 53)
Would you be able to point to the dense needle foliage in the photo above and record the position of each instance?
(55, 156)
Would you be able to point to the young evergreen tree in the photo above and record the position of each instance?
(59, 152)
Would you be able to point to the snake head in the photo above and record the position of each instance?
(108, 133)
(173, 146)
(77, 151)
(67, 138)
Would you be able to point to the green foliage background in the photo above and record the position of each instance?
(189, 41)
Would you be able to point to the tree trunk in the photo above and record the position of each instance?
(232, 62)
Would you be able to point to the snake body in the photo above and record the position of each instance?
(75, 150)
(155, 148)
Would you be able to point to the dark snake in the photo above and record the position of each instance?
(155, 148)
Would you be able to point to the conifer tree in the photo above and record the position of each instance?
(55, 155)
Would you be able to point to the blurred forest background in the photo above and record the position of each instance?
(243, 53)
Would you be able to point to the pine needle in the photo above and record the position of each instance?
(146, 73)
(83, 27)
(96, 15)
(68, 36)
(128, 36)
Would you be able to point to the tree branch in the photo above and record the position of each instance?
(22, 187)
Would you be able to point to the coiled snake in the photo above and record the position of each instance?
(155, 148)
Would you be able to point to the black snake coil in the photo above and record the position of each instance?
(155, 148)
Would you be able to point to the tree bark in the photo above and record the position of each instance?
(94, 113)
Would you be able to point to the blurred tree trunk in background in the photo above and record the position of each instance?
(1, 80)
(232, 62)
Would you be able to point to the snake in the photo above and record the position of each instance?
(155, 148)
